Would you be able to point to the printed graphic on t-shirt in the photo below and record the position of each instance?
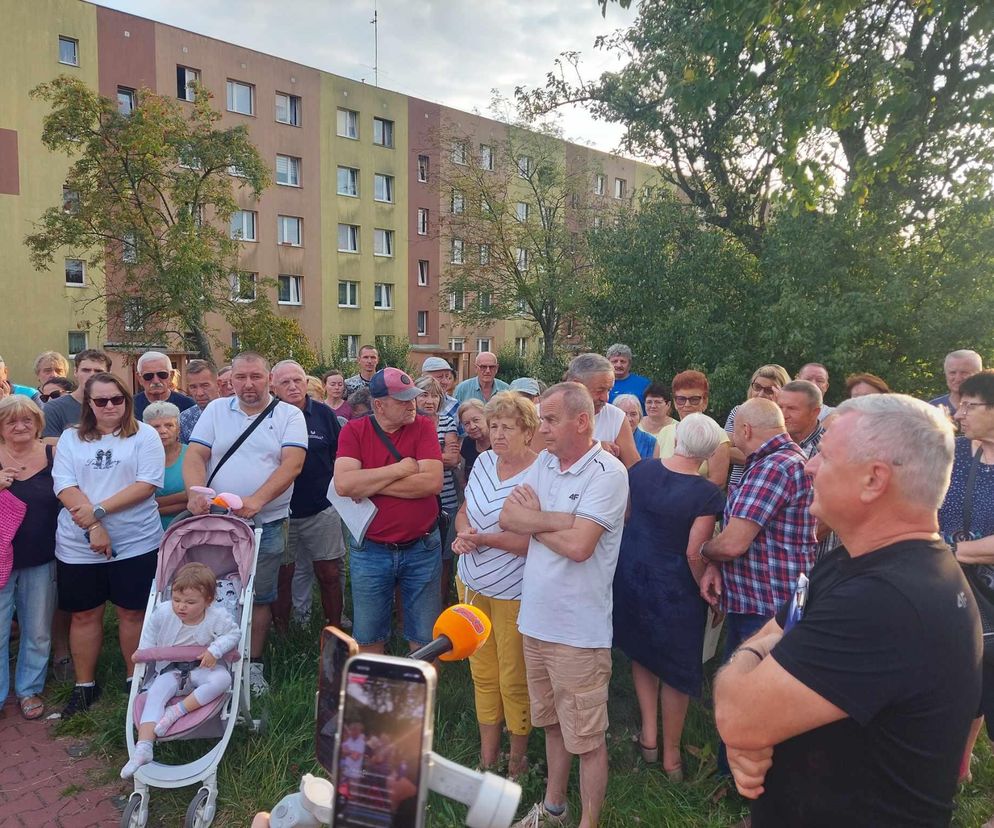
(103, 461)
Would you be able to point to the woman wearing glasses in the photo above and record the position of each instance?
(766, 382)
(106, 472)
(52, 389)
(690, 396)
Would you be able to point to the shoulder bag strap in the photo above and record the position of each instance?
(243, 437)
(385, 440)
(971, 480)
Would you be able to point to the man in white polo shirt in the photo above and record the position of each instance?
(261, 471)
(572, 504)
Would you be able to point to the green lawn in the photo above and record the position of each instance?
(258, 770)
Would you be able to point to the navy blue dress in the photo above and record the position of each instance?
(659, 615)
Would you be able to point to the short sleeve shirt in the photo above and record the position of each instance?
(222, 422)
(632, 384)
(310, 489)
(470, 390)
(187, 420)
(564, 601)
(60, 414)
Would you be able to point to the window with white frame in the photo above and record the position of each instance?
(521, 345)
(424, 165)
(68, 50)
(288, 108)
(382, 132)
(382, 187)
(383, 296)
(382, 242)
(524, 166)
(458, 202)
(486, 157)
(350, 345)
(457, 343)
(620, 188)
(599, 182)
(423, 221)
(521, 259)
(288, 170)
(348, 181)
(521, 210)
(457, 300)
(241, 97)
(243, 286)
(77, 342)
(184, 77)
(484, 344)
(236, 171)
(125, 100)
(290, 230)
(129, 249)
(484, 254)
(348, 238)
(458, 152)
(242, 225)
(348, 294)
(348, 123)
(75, 272)
(289, 289)
(457, 251)
(423, 272)
(422, 323)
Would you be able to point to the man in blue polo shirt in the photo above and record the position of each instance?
(315, 539)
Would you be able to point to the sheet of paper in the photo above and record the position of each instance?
(357, 516)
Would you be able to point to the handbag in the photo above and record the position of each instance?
(980, 577)
(12, 512)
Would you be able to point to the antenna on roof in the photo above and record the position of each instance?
(376, 46)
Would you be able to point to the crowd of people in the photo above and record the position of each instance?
(608, 510)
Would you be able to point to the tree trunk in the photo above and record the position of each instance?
(204, 350)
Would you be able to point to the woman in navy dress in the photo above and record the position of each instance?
(659, 615)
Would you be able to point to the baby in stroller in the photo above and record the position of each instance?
(191, 618)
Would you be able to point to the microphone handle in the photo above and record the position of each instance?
(433, 649)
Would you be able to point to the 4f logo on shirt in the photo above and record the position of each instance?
(574, 496)
(104, 460)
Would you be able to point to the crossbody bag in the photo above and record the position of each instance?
(242, 438)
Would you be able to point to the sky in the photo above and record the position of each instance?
(452, 52)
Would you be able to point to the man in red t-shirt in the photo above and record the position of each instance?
(393, 458)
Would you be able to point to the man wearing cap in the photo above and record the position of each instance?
(485, 384)
(527, 387)
(393, 458)
(441, 370)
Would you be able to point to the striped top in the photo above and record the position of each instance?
(450, 498)
(495, 573)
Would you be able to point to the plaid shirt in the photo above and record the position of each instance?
(776, 494)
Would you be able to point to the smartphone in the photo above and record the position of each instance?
(336, 649)
(385, 734)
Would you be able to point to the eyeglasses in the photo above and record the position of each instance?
(969, 406)
(103, 402)
(163, 375)
(765, 389)
(487, 367)
(651, 401)
(53, 396)
(680, 400)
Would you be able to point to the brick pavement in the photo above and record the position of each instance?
(42, 786)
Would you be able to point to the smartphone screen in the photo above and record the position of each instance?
(385, 733)
(336, 649)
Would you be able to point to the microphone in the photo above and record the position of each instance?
(459, 632)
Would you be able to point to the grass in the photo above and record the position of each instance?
(260, 769)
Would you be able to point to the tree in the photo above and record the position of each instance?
(515, 220)
(149, 195)
(747, 102)
(259, 328)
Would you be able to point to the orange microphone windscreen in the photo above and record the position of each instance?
(466, 627)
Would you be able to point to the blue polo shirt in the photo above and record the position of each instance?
(310, 489)
(632, 384)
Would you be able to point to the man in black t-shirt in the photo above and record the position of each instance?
(857, 714)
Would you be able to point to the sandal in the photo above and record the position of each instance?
(674, 774)
(32, 707)
(650, 755)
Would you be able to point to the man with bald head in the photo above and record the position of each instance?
(485, 384)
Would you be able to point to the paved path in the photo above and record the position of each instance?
(42, 786)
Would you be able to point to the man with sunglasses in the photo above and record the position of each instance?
(154, 373)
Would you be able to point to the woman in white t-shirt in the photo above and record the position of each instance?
(106, 472)
(491, 566)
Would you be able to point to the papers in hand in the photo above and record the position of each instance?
(357, 516)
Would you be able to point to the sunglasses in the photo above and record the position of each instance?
(162, 375)
(103, 402)
(53, 396)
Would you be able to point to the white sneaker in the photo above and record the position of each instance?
(539, 816)
(257, 680)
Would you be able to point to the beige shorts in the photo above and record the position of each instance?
(568, 686)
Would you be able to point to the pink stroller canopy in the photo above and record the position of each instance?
(223, 542)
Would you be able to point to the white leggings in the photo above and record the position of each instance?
(210, 682)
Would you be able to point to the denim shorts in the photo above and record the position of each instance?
(376, 570)
(267, 568)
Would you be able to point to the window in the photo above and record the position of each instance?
(422, 323)
(243, 286)
(485, 302)
(70, 200)
(348, 238)
(289, 290)
(77, 342)
(350, 345)
(457, 300)
(524, 166)
(521, 259)
(523, 308)
(383, 296)
(457, 344)
(75, 272)
(290, 230)
(184, 77)
(423, 272)
(458, 202)
(422, 221)
(521, 345)
(484, 254)
(599, 184)
(133, 314)
(125, 100)
(382, 187)
(348, 294)
(348, 124)
(423, 167)
(348, 181)
(236, 171)
(382, 242)
(483, 344)
(288, 109)
(68, 51)
(241, 97)
(242, 225)
(129, 249)
(620, 188)
(457, 251)
(486, 157)
(382, 132)
(458, 152)
(521, 211)
(288, 170)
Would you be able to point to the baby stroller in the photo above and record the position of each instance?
(229, 546)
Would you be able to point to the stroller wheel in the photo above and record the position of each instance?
(200, 814)
(134, 816)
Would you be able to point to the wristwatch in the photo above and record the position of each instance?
(99, 512)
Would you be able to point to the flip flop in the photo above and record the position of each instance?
(32, 707)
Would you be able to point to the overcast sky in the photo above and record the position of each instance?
(449, 51)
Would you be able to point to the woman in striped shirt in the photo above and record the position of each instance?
(491, 566)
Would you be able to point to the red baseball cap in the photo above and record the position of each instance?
(392, 382)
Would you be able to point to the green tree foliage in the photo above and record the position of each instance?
(149, 199)
(259, 328)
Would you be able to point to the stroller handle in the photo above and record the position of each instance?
(183, 653)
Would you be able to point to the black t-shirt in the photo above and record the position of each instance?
(469, 453)
(893, 639)
(310, 489)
